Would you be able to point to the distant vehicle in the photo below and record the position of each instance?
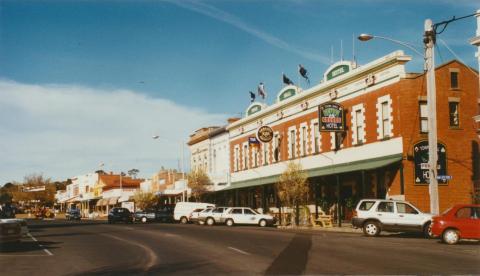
(10, 231)
(213, 216)
(160, 215)
(376, 215)
(459, 222)
(73, 214)
(120, 215)
(243, 215)
(184, 209)
(23, 225)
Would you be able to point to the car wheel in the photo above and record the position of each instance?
(229, 222)
(371, 228)
(262, 223)
(143, 219)
(450, 236)
(183, 220)
(210, 221)
(427, 230)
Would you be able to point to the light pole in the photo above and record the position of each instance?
(429, 67)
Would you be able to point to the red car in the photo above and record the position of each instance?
(459, 222)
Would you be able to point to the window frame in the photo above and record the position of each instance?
(457, 104)
(422, 118)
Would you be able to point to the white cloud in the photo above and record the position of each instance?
(67, 130)
(218, 14)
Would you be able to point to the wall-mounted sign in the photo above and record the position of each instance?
(331, 116)
(265, 134)
(253, 141)
(420, 157)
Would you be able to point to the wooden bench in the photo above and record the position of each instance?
(322, 220)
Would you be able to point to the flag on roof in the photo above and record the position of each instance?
(303, 72)
(286, 80)
(252, 96)
(261, 91)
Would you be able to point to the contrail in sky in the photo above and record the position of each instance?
(233, 20)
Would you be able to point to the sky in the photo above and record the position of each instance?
(84, 83)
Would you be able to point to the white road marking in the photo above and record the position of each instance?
(238, 250)
(44, 249)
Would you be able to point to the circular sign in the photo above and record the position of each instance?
(265, 134)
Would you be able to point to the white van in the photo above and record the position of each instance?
(184, 209)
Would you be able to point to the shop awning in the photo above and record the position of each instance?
(73, 199)
(361, 165)
(102, 202)
(113, 200)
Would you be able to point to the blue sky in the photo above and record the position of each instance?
(196, 56)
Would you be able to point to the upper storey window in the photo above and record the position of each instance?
(454, 79)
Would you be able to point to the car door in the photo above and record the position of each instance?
(249, 216)
(237, 215)
(386, 214)
(467, 222)
(408, 218)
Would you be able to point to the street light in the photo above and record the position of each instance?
(429, 67)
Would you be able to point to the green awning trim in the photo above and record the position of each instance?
(361, 165)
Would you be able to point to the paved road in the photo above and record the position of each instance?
(95, 248)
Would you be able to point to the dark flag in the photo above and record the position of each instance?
(261, 91)
(252, 96)
(286, 80)
(303, 72)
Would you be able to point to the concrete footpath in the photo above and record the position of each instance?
(347, 228)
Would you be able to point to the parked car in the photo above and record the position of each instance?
(10, 231)
(183, 210)
(120, 214)
(195, 215)
(161, 215)
(459, 222)
(243, 215)
(376, 215)
(73, 214)
(23, 225)
(213, 216)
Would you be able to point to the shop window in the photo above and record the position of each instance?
(255, 156)
(292, 144)
(385, 120)
(265, 153)
(359, 122)
(453, 111)
(304, 141)
(237, 157)
(245, 157)
(276, 146)
(423, 113)
(316, 138)
(384, 117)
(453, 80)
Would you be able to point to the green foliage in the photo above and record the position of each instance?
(199, 182)
(145, 200)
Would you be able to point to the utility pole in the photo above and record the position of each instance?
(429, 40)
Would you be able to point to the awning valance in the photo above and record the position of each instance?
(113, 200)
(102, 202)
(361, 165)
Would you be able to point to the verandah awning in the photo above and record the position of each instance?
(361, 165)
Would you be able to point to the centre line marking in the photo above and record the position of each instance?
(44, 249)
(238, 250)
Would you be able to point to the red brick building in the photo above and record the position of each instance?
(380, 148)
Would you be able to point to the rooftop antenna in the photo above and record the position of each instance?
(353, 51)
(331, 54)
(341, 50)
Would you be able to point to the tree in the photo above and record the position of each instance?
(199, 182)
(292, 188)
(145, 200)
(44, 197)
(133, 173)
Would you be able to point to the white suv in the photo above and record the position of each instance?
(375, 215)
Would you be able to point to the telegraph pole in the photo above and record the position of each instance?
(429, 40)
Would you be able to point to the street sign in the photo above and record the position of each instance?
(422, 168)
(265, 134)
(444, 177)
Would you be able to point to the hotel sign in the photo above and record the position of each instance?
(420, 157)
(265, 134)
(331, 116)
(338, 71)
